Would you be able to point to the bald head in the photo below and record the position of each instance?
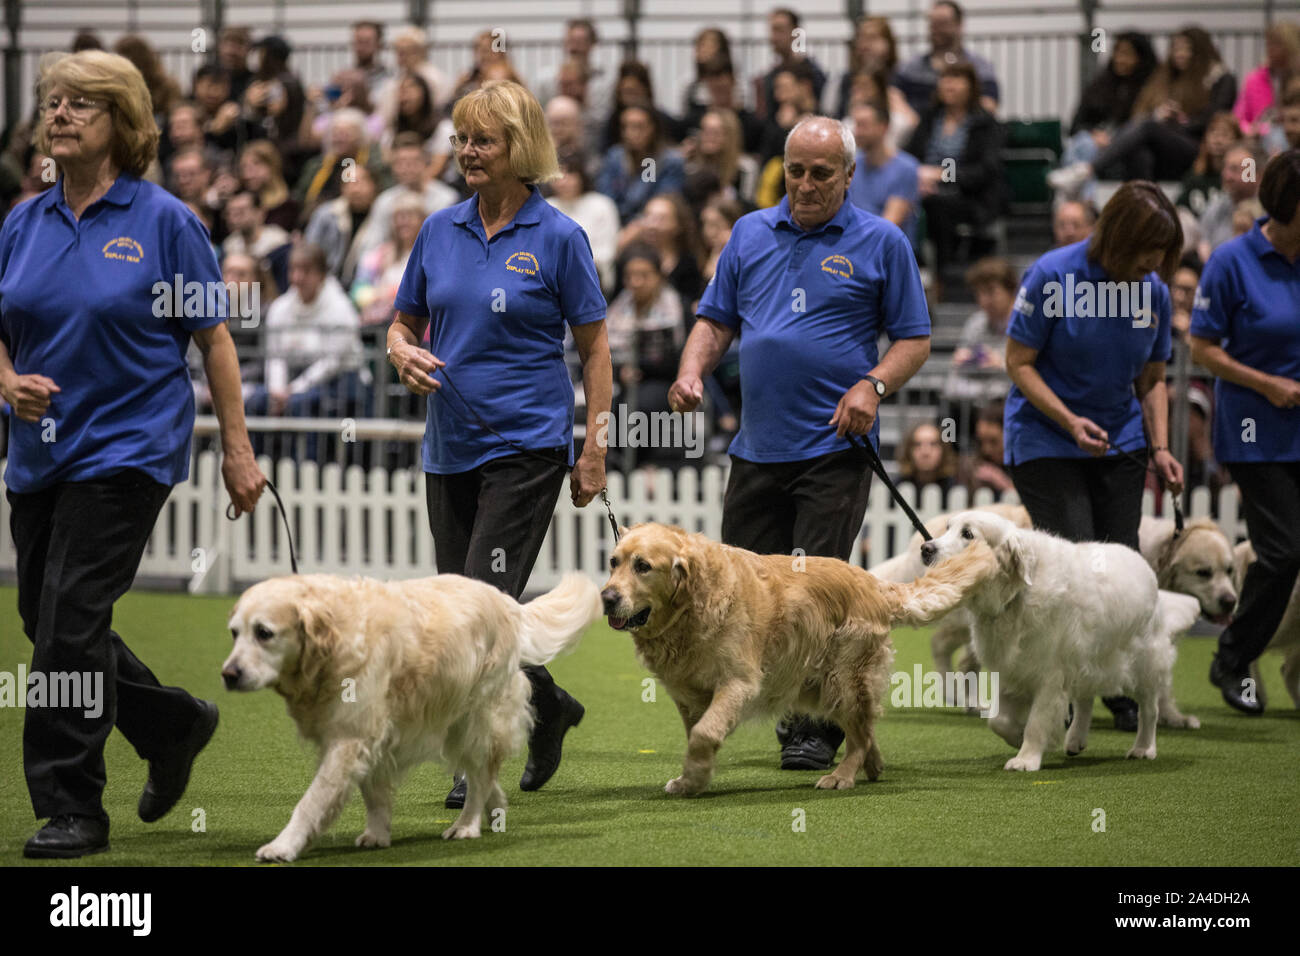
(819, 154)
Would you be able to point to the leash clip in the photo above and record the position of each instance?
(613, 521)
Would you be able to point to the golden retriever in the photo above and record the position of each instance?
(733, 634)
(385, 675)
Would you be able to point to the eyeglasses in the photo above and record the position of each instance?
(480, 143)
(79, 109)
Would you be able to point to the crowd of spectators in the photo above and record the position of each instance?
(317, 192)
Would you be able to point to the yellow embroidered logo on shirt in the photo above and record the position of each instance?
(838, 265)
(524, 262)
(124, 248)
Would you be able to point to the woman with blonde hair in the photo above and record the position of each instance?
(719, 147)
(92, 355)
(496, 280)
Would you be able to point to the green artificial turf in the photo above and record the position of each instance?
(1224, 794)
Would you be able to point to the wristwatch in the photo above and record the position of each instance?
(877, 384)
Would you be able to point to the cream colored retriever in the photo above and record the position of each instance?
(1065, 621)
(1199, 563)
(733, 635)
(385, 675)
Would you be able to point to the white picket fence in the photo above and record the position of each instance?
(348, 522)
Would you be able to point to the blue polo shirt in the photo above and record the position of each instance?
(78, 305)
(1249, 302)
(810, 307)
(1089, 351)
(497, 310)
(873, 186)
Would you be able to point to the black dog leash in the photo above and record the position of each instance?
(284, 515)
(878, 467)
(478, 419)
(1179, 523)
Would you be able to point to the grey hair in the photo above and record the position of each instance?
(846, 137)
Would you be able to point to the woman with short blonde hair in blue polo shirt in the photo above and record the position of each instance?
(496, 280)
(92, 362)
(1087, 344)
(1245, 329)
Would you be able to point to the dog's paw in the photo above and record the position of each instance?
(1018, 762)
(462, 831)
(370, 840)
(1142, 753)
(832, 782)
(1182, 721)
(1074, 747)
(277, 851)
(681, 787)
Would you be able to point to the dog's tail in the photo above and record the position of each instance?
(555, 622)
(942, 588)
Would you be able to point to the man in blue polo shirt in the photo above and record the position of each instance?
(1244, 330)
(809, 286)
(884, 182)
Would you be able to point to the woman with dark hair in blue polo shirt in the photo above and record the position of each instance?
(1087, 344)
(496, 280)
(92, 361)
(1246, 330)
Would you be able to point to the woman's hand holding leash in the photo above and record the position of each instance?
(244, 480)
(1089, 436)
(415, 368)
(1168, 468)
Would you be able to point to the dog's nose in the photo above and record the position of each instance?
(611, 599)
(231, 677)
(1227, 602)
(928, 551)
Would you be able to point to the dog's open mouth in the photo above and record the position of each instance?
(628, 623)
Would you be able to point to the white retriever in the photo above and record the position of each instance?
(385, 675)
(1198, 562)
(1064, 620)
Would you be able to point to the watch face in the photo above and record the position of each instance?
(880, 387)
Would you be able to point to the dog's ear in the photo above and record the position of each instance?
(1015, 559)
(682, 572)
(622, 530)
(319, 633)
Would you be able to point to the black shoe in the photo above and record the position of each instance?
(456, 795)
(66, 836)
(1125, 710)
(1232, 684)
(547, 739)
(170, 775)
(808, 743)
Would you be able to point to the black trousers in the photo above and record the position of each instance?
(79, 546)
(1148, 149)
(815, 505)
(1085, 499)
(1270, 496)
(488, 523)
